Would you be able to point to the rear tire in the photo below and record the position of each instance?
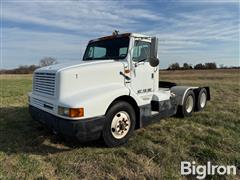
(119, 124)
(202, 100)
(188, 105)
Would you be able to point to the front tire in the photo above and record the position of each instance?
(188, 105)
(119, 124)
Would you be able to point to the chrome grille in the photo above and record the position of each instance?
(44, 83)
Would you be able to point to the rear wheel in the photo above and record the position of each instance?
(119, 124)
(202, 99)
(188, 105)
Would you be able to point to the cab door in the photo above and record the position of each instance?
(142, 76)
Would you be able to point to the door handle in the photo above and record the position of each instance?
(125, 76)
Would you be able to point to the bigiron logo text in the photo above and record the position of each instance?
(201, 171)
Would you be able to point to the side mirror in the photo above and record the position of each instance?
(154, 61)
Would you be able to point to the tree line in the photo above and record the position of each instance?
(29, 69)
(186, 66)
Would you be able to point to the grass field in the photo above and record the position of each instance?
(29, 151)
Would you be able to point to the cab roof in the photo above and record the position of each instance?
(120, 35)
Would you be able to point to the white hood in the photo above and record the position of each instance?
(72, 78)
(62, 66)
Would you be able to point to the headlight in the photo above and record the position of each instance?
(71, 112)
(63, 111)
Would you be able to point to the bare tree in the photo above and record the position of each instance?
(174, 66)
(186, 66)
(211, 65)
(199, 66)
(47, 61)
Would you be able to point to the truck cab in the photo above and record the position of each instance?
(114, 90)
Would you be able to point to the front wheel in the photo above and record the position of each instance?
(188, 105)
(119, 124)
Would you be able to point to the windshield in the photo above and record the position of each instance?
(116, 48)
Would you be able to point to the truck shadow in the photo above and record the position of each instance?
(20, 134)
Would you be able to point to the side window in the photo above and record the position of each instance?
(141, 50)
(123, 51)
(96, 52)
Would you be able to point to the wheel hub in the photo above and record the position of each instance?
(120, 125)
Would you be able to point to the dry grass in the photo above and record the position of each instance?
(29, 151)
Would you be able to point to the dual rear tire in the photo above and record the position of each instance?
(192, 103)
(202, 99)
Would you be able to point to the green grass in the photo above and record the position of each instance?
(29, 151)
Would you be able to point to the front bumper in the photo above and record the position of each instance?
(84, 129)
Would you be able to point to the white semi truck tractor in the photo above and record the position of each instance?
(114, 90)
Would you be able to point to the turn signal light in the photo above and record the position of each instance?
(126, 71)
(76, 112)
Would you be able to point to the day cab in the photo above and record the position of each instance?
(114, 90)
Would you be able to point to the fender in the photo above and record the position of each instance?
(180, 92)
(95, 101)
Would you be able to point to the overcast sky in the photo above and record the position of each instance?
(194, 31)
